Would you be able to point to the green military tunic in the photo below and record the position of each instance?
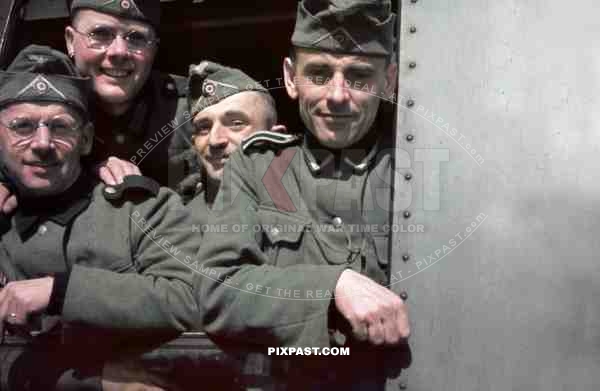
(319, 214)
(152, 134)
(147, 240)
(125, 256)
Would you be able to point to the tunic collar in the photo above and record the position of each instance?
(61, 209)
(357, 159)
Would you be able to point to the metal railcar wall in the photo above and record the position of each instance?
(501, 99)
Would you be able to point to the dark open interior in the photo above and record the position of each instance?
(251, 35)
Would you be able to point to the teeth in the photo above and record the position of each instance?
(116, 72)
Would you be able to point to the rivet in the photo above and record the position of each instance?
(408, 177)
(42, 229)
(410, 103)
(407, 214)
(412, 65)
(410, 138)
(405, 257)
(412, 29)
(404, 295)
(337, 222)
(402, 386)
(120, 138)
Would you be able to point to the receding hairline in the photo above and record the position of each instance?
(268, 104)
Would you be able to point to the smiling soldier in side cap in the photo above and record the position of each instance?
(316, 273)
(76, 248)
(226, 105)
(115, 44)
(140, 115)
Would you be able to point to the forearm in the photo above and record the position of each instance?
(106, 299)
(268, 305)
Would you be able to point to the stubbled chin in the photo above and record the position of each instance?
(215, 172)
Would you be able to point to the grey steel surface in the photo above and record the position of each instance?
(516, 306)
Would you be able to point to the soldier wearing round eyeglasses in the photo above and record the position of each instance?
(138, 111)
(89, 262)
(139, 114)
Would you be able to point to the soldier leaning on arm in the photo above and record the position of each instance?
(101, 258)
(140, 115)
(312, 287)
(226, 106)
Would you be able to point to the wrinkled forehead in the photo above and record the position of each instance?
(249, 103)
(87, 18)
(309, 56)
(38, 110)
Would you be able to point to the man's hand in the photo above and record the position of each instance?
(113, 170)
(20, 299)
(375, 313)
(279, 129)
(8, 201)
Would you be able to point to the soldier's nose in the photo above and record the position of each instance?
(338, 90)
(42, 140)
(118, 48)
(218, 136)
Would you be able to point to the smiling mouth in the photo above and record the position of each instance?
(116, 73)
(43, 164)
(340, 117)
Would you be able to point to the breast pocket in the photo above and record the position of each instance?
(293, 238)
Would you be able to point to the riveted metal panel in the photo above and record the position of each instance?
(504, 283)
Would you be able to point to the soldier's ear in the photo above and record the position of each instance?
(289, 75)
(87, 139)
(391, 78)
(69, 38)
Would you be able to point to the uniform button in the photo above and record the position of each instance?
(337, 222)
(404, 295)
(408, 177)
(410, 138)
(275, 231)
(42, 229)
(405, 257)
(110, 190)
(407, 215)
(120, 139)
(402, 386)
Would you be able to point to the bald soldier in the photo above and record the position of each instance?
(88, 260)
(299, 263)
(226, 106)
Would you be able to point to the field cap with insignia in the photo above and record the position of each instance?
(145, 10)
(210, 83)
(42, 74)
(358, 27)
